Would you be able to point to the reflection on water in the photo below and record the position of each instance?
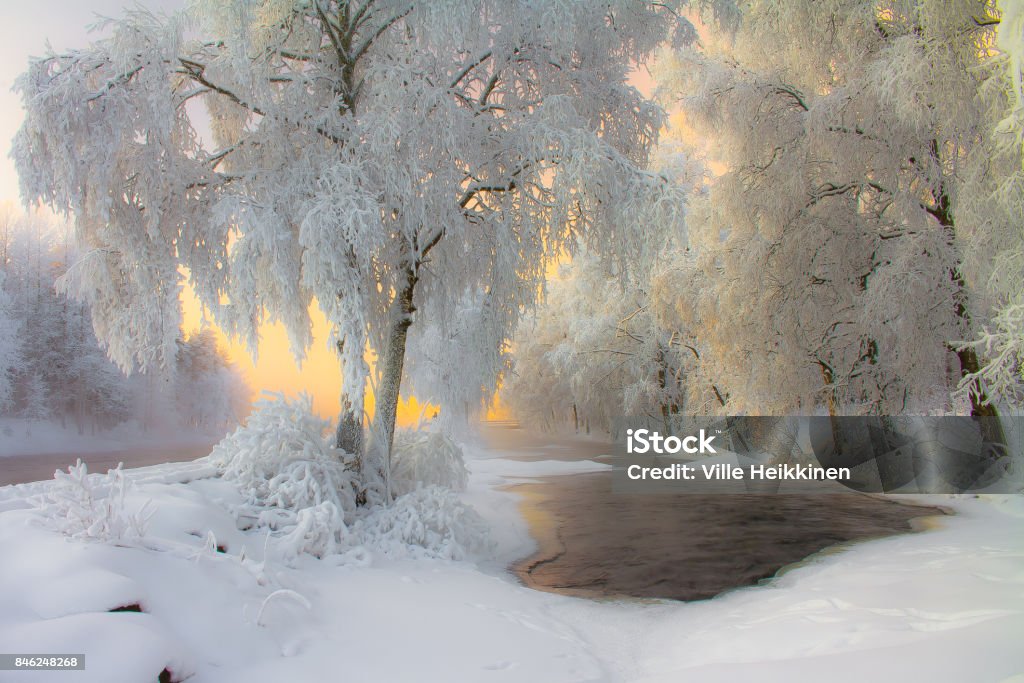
(595, 543)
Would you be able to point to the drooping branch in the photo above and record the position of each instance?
(469, 67)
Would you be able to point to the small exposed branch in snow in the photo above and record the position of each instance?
(284, 593)
(114, 82)
(795, 94)
(196, 71)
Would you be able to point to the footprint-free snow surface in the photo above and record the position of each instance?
(195, 596)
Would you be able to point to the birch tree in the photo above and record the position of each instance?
(998, 246)
(599, 348)
(9, 329)
(385, 158)
(844, 244)
(595, 353)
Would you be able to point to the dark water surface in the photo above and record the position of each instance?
(596, 543)
(18, 469)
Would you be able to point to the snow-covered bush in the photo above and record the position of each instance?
(303, 489)
(426, 458)
(315, 532)
(282, 459)
(90, 508)
(427, 522)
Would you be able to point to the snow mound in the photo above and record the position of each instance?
(426, 458)
(316, 531)
(281, 459)
(429, 522)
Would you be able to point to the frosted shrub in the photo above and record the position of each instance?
(315, 531)
(301, 487)
(281, 458)
(426, 458)
(91, 508)
(427, 522)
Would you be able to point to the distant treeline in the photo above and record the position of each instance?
(53, 368)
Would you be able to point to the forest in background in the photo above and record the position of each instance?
(54, 370)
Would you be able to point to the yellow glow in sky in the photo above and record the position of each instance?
(275, 369)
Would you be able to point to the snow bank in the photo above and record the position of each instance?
(944, 605)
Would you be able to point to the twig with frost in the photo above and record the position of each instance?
(284, 593)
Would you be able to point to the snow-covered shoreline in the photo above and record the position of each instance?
(943, 605)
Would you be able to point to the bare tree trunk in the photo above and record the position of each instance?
(349, 435)
(991, 429)
(981, 408)
(386, 409)
(668, 408)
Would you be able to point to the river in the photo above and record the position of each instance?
(595, 543)
(18, 469)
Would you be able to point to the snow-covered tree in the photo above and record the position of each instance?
(534, 392)
(60, 370)
(36, 404)
(211, 394)
(599, 348)
(9, 328)
(998, 245)
(838, 261)
(54, 367)
(443, 349)
(387, 158)
(595, 352)
(87, 387)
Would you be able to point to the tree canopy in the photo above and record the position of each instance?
(865, 228)
(859, 248)
(386, 158)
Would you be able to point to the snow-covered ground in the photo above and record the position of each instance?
(943, 605)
